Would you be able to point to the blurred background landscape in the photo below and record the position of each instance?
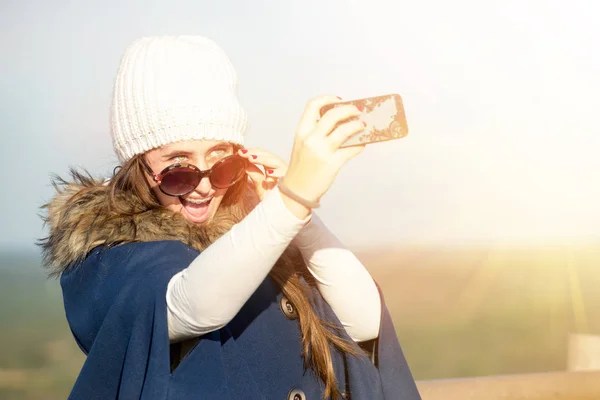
(459, 312)
(482, 225)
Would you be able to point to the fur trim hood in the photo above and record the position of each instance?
(81, 216)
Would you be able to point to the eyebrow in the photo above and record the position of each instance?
(188, 153)
(174, 153)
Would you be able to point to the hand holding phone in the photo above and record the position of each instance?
(384, 118)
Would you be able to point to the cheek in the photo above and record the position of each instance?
(166, 201)
(220, 193)
(218, 198)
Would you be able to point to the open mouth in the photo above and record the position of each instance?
(196, 210)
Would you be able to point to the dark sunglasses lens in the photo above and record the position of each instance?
(227, 172)
(179, 181)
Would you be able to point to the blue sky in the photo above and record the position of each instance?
(501, 100)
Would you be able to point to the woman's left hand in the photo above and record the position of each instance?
(274, 167)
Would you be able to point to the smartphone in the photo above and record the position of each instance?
(384, 118)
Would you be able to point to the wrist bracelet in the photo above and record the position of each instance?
(307, 203)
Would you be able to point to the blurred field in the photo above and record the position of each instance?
(38, 357)
(473, 312)
(458, 312)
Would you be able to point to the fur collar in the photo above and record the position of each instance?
(80, 217)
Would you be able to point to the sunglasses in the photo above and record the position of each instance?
(181, 179)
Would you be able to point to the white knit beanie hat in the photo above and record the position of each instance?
(173, 88)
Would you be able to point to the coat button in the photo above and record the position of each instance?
(296, 394)
(288, 308)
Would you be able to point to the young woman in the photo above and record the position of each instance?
(191, 274)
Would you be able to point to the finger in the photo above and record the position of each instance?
(255, 150)
(269, 176)
(259, 152)
(312, 113)
(255, 173)
(274, 166)
(275, 173)
(335, 117)
(345, 154)
(262, 182)
(266, 159)
(345, 131)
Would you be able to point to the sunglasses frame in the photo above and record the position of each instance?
(202, 174)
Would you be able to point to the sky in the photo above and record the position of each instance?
(501, 99)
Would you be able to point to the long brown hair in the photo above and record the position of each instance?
(240, 199)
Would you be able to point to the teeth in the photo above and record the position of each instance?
(198, 201)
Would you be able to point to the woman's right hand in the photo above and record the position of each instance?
(316, 155)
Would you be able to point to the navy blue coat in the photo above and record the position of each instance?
(116, 308)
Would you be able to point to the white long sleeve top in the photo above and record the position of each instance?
(208, 294)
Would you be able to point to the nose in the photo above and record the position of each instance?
(204, 187)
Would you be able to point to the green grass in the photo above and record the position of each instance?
(458, 313)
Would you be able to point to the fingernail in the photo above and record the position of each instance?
(244, 151)
(270, 171)
(364, 123)
(360, 108)
(338, 97)
(254, 157)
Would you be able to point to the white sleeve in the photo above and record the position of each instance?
(207, 295)
(342, 280)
